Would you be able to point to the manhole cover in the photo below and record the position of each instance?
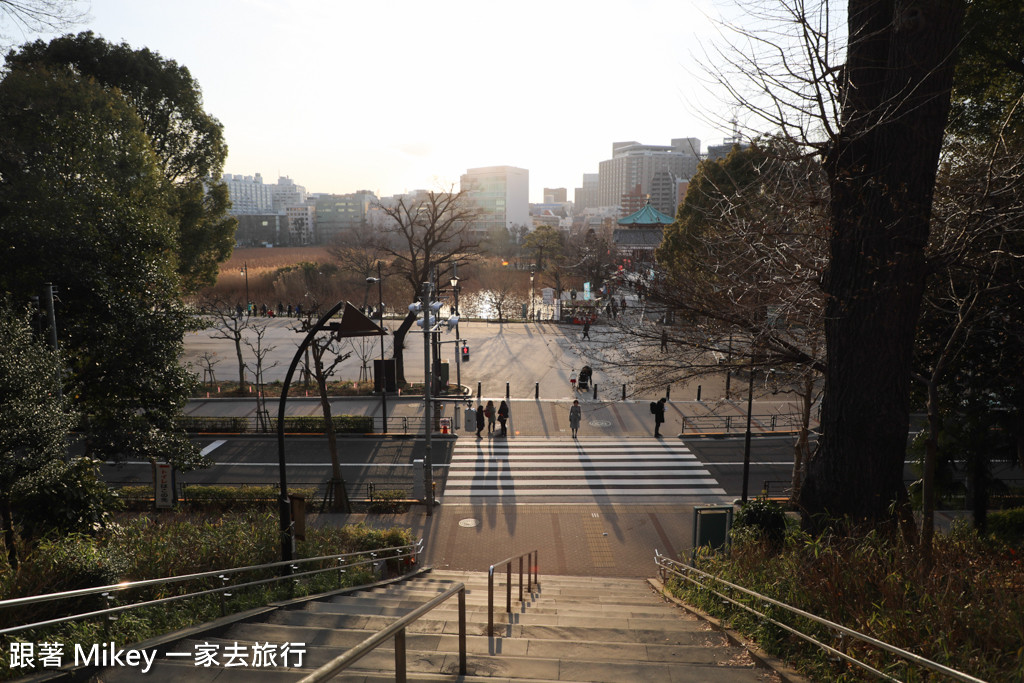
(600, 423)
(469, 523)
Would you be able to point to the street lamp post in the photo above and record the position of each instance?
(428, 473)
(383, 369)
(245, 272)
(458, 351)
(746, 441)
(532, 296)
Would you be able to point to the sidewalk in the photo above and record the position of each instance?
(546, 417)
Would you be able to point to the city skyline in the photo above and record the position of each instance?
(404, 96)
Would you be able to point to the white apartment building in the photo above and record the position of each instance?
(249, 196)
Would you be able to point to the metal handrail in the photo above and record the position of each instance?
(396, 552)
(667, 565)
(397, 629)
(531, 580)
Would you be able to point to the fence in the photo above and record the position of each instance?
(781, 422)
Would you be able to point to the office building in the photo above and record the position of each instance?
(501, 194)
(633, 166)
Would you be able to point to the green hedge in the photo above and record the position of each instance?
(1007, 525)
(343, 424)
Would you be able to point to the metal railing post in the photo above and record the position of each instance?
(400, 656)
(490, 601)
(520, 578)
(462, 631)
(508, 587)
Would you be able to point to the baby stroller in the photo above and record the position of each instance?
(586, 375)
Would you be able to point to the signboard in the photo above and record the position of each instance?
(549, 295)
(163, 493)
(586, 291)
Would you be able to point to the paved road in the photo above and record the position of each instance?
(527, 356)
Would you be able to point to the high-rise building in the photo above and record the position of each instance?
(586, 196)
(502, 196)
(336, 213)
(249, 196)
(555, 195)
(301, 224)
(634, 165)
(286, 193)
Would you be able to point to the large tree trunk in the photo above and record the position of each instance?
(882, 173)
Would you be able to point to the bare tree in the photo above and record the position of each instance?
(253, 339)
(38, 16)
(975, 251)
(873, 107)
(429, 231)
(229, 321)
(326, 357)
(737, 284)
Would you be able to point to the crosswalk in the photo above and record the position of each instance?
(576, 469)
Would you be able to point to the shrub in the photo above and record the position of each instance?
(1007, 525)
(764, 516)
(63, 497)
(388, 501)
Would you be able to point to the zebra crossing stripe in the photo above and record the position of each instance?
(577, 467)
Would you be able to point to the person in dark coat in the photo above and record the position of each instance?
(575, 415)
(659, 416)
(489, 414)
(586, 329)
(503, 418)
(479, 421)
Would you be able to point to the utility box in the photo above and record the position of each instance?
(711, 525)
(443, 374)
(419, 480)
(384, 370)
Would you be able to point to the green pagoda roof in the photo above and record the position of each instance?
(648, 215)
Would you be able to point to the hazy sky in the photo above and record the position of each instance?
(396, 95)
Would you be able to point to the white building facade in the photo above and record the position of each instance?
(501, 194)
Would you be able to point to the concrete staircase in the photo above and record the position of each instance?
(572, 629)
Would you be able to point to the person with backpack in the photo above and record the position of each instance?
(658, 410)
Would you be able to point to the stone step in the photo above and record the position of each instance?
(575, 664)
(692, 647)
(682, 632)
(358, 604)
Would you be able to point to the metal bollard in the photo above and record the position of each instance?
(536, 389)
(595, 389)
(668, 392)
(623, 392)
(479, 391)
(506, 390)
(698, 392)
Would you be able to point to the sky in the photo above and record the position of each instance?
(394, 95)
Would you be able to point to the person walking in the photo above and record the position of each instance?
(572, 380)
(479, 420)
(575, 414)
(503, 418)
(489, 413)
(659, 416)
(586, 329)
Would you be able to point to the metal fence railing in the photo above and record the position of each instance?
(343, 424)
(757, 604)
(781, 422)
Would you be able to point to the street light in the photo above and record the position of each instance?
(533, 296)
(245, 271)
(383, 368)
(458, 352)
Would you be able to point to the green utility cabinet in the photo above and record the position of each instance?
(711, 525)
